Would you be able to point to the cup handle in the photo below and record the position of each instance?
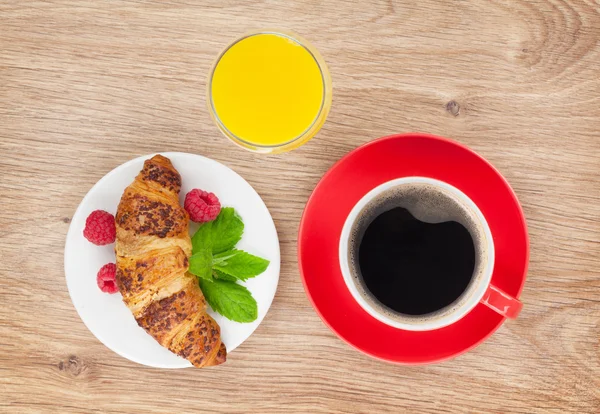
(501, 302)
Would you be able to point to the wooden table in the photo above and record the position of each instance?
(88, 85)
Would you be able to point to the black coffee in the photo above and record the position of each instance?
(414, 267)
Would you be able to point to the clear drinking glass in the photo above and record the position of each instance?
(259, 91)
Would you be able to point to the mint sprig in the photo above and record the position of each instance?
(217, 274)
(227, 230)
(202, 239)
(239, 264)
(200, 264)
(219, 265)
(231, 300)
(221, 234)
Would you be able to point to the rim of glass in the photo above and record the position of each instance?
(296, 39)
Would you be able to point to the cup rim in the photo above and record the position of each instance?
(325, 100)
(477, 292)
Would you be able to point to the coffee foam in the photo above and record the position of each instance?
(430, 204)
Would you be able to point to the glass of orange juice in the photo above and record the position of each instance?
(269, 91)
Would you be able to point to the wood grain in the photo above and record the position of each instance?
(88, 85)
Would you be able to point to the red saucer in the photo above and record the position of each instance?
(347, 182)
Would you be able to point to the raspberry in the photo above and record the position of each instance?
(202, 206)
(100, 228)
(106, 278)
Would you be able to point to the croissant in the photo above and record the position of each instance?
(152, 248)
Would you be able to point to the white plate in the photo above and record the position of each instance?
(106, 316)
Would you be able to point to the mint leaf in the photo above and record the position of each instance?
(231, 300)
(227, 230)
(201, 264)
(223, 276)
(202, 239)
(219, 265)
(239, 264)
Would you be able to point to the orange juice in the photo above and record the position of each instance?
(268, 90)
